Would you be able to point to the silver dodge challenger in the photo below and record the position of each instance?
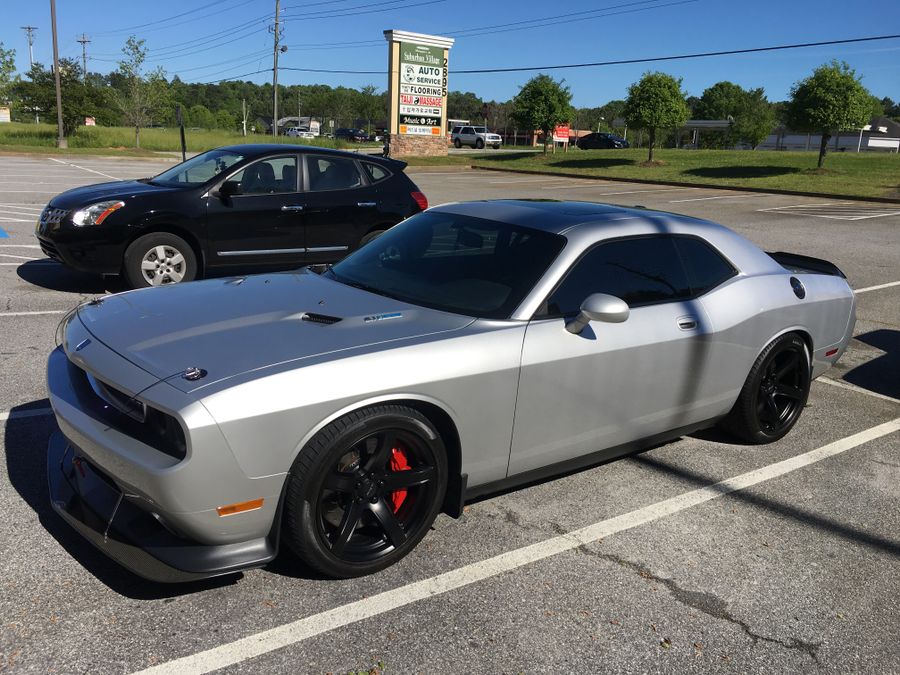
(337, 410)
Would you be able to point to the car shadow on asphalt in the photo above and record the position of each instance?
(55, 276)
(882, 374)
(25, 441)
(802, 516)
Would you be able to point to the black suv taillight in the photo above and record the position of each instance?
(419, 199)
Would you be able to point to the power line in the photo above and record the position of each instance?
(166, 20)
(730, 52)
(698, 55)
(350, 11)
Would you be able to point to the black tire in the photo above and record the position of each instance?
(479, 144)
(177, 263)
(774, 393)
(369, 237)
(344, 514)
(457, 143)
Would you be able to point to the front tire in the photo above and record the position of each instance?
(479, 144)
(774, 393)
(159, 259)
(365, 491)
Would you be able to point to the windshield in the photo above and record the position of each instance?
(453, 263)
(197, 170)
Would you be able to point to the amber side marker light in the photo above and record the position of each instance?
(240, 507)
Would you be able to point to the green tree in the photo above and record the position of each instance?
(370, 106)
(753, 117)
(7, 71)
(829, 100)
(225, 120)
(542, 103)
(464, 106)
(37, 94)
(655, 102)
(200, 116)
(139, 98)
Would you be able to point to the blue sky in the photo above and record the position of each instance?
(231, 37)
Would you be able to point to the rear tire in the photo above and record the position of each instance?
(371, 236)
(774, 393)
(457, 143)
(159, 259)
(365, 490)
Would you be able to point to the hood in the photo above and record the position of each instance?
(120, 189)
(231, 326)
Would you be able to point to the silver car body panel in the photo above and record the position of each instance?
(522, 394)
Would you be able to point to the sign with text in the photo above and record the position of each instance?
(561, 133)
(423, 86)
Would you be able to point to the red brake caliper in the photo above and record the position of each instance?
(398, 463)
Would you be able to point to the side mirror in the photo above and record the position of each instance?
(599, 307)
(229, 188)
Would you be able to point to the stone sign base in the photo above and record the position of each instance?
(429, 146)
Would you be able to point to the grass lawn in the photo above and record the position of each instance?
(845, 173)
(19, 137)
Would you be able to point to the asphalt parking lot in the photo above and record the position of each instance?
(658, 562)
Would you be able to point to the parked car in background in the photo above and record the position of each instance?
(236, 209)
(300, 133)
(473, 347)
(601, 140)
(354, 135)
(476, 137)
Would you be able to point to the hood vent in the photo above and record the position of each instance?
(319, 318)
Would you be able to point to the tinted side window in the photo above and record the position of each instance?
(706, 268)
(376, 173)
(268, 176)
(332, 173)
(639, 271)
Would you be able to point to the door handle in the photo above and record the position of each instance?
(365, 204)
(687, 323)
(292, 207)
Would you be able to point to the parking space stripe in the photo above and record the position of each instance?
(303, 629)
(859, 390)
(704, 199)
(18, 257)
(876, 288)
(83, 168)
(39, 313)
(19, 246)
(19, 414)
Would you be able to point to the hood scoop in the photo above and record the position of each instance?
(323, 319)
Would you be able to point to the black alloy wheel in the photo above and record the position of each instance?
(774, 393)
(365, 491)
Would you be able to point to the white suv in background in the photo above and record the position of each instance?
(477, 137)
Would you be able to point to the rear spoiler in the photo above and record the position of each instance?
(803, 264)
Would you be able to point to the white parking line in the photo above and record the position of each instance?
(15, 220)
(859, 390)
(19, 246)
(705, 199)
(18, 414)
(83, 168)
(634, 192)
(303, 629)
(22, 207)
(18, 257)
(876, 288)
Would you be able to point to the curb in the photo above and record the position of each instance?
(71, 157)
(773, 191)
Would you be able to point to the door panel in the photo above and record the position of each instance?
(341, 207)
(264, 224)
(612, 384)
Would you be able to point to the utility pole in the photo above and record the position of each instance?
(29, 32)
(244, 116)
(60, 132)
(83, 41)
(275, 75)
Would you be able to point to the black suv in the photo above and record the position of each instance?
(600, 141)
(355, 135)
(237, 208)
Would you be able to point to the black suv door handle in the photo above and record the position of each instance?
(365, 204)
(292, 207)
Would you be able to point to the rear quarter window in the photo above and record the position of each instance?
(706, 268)
(376, 173)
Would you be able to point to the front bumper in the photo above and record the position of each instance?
(106, 516)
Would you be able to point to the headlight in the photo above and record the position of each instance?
(95, 214)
